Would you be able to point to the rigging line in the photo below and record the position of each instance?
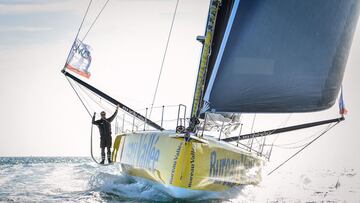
(277, 136)
(327, 130)
(82, 22)
(110, 111)
(302, 140)
(284, 123)
(77, 34)
(163, 60)
(102, 9)
(83, 96)
(252, 127)
(158, 107)
(79, 97)
(91, 98)
(281, 125)
(88, 94)
(91, 95)
(302, 145)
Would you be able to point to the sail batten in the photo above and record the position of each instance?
(282, 56)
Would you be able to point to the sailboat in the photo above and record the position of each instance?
(257, 57)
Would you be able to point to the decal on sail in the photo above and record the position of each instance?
(79, 59)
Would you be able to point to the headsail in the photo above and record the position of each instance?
(281, 56)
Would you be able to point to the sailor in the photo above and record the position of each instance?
(104, 125)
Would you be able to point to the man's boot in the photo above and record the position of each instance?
(102, 161)
(109, 161)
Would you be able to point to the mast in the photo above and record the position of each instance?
(206, 52)
(113, 101)
(219, 13)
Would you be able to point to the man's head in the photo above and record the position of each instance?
(103, 114)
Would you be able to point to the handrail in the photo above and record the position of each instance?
(161, 118)
(178, 117)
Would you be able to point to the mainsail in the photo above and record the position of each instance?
(280, 56)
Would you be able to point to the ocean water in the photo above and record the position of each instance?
(77, 179)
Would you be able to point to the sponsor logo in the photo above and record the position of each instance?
(177, 153)
(192, 166)
(143, 153)
(229, 171)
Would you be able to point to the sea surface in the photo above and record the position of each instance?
(78, 179)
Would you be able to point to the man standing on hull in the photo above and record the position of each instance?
(104, 125)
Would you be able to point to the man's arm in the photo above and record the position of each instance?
(113, 116)
(93, 120)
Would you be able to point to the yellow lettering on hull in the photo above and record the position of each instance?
(166, 159)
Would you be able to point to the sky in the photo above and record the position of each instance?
(43, 117)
